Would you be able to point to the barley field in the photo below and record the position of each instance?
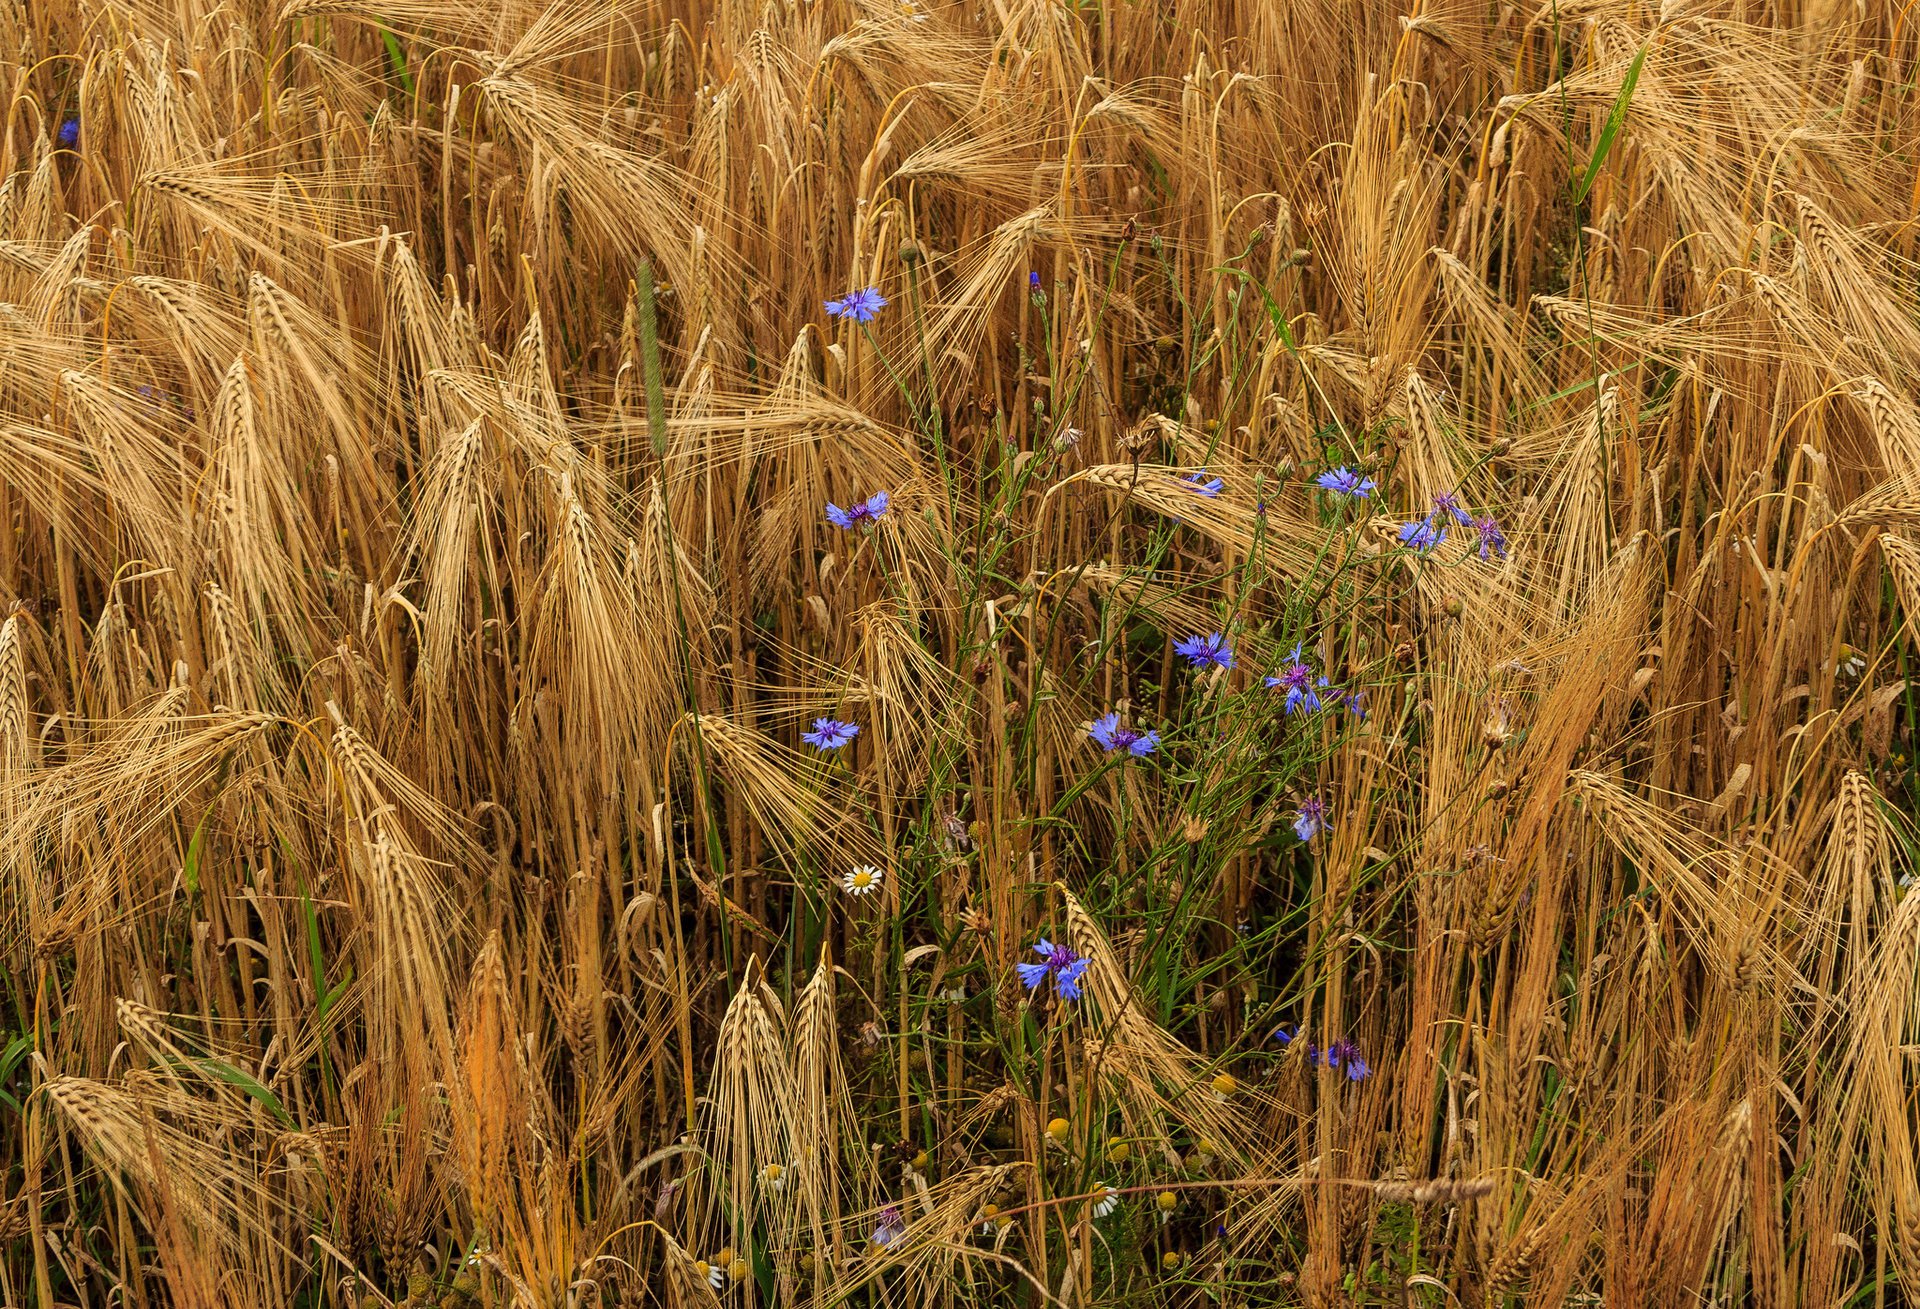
(998, 652)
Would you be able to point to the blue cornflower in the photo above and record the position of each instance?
(1423, 535)
(1204, 651)
(890, 1229)
(1344, 481)
(69, 134)
(1112, 736)
(1033, 282)
(1448, 503)
(1341, 1054)
(1492, 539)
(1312, 818)
(860, 306)
(1356, 702)
(830, 733)
(866, 511)
(1065, 966)
(1346, 1056)
(1302, 687)
(1200, 484)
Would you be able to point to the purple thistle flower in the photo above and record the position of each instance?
(891, 1228)
(860, 306)
(69, 134)
(1303, 689)
(1423, 535)
(1200, 484)
(1448, 503)
(1065, 966)
(1492, 539)
(1204, 651)
(1311, 820)
(1344, 481)
(830, 733)
(869, 510)
(1112, 736)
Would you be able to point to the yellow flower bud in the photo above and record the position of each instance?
(1167, 1201)
(1224, 1086)
(1119, 1152)
(1057, 1131)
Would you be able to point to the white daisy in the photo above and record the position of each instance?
(861, 880)
(1109, 1201)
(774, 1178)
(716, 1278)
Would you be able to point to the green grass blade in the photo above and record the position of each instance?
(1610, 133)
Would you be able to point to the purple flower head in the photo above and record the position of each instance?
(1492, 539)
(69, 134)
(1303, 688)
(891, 1227)
(1312, 818)
(1344, 481)
(1111, 736)
(1345, 1056)
(868, 510)
(860, 306)
(1356, 702)
(830, 733)
(1205, 651)
(1200, 484)
(1061, 963)
(1423, 535)
(1449, 504)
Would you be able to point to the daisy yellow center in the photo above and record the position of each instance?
(862, 879)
